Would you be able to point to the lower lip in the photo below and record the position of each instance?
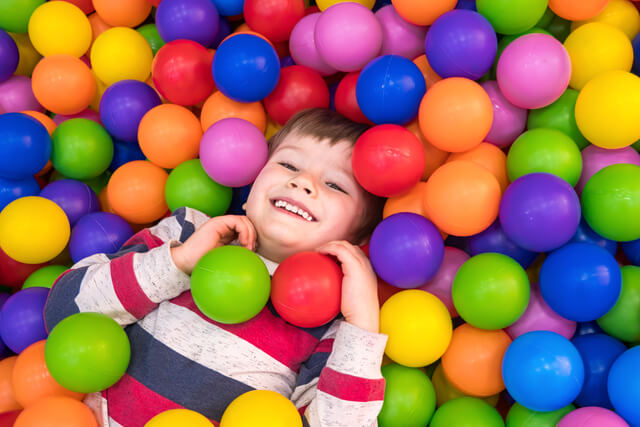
(289, 213)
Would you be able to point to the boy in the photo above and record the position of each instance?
(305, 198)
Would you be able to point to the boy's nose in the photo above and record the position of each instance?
(303, 185)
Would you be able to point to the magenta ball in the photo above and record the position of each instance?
(17, 95)
(302, 45)
(442, 282)
(596, 158)
(400, 37)
(233, 151)
(84, 114)
(509, 121)
(348, 36)
(592, 416)
(540, 317)
(533, 71)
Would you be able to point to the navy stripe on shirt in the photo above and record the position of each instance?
(64, 297)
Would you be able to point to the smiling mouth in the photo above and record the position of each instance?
(292, 209)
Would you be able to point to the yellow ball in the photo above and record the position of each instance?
(418, 325)
(621, 14)
(121, 53)
(262, 408)
(324, 4)
(607, 109)
(29, 56)
(595, 48)
(33, 230)
(179, 417)
(59, 27)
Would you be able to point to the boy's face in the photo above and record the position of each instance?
(313, 178)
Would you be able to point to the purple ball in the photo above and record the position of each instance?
(406, 250)
(195, 20)
(400, 37)
(123, 105)
(98, 232)
(17, 95)
(22, 317)
(9, 55)
(461, 43)
(493, 239)
(540, 212)
(302, 44)
(224, 29)
(509, 121)
(75, 198)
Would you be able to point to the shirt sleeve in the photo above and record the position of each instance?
(341, 384)
(130, 283)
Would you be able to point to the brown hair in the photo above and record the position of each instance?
(327, 125)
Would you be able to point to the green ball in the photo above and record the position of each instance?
(189, 185)
(611, 202)
(545, 150)
(559, 28)
(230, 284)
(44, 277)
(490, 291)
(546, 19)
(15, 14)
(87, 352)
(519, 416)
(466, 412)
(150, 33)
(623, 320)
(560, 115)
(409, 397)
(512, 16)
(81, 149)
(636, 145)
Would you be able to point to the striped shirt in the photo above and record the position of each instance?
(182, 359)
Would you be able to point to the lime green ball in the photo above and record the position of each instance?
(230, 284)
(545, 150)
(87, 352)
(611, 202)
(519, 416)
(623, 320)
(81, 149)
(636, 145)
(409, 397)
(512, 16)
(546, 19)
(467, 412)
(559, 28)
(189, 185)
(15, 14)
(490, 291)
(44, 277)
(151, 35)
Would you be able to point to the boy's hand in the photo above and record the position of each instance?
(218, 231)
(359, 303)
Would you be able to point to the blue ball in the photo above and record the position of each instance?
(467, 4)
(125, 152)
(586, 328)
(636, 55)
(239, 197)
(195, 20)
(389, 90)
(623, 385)
(11, 189)
(493, 239)
(9, 56)
(632, 251)
(229, 7)
(25, 146)
(98, 232)
(246, 68)
(224, 29)
(585, 234)
(580, 281)
(542, 371)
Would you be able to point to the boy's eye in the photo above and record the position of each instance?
(336, 187)
(288, 166)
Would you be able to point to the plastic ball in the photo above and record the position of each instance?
(595, 159)
(120, 54)
(408, 315)
(592, 416)
(182, 72)
(22, 318)
(509, 121)
(15, 14)
(520, 416)
(577, 10)
(585, 234)
(276, 19)
(44, 277)
(445, 391)
(512, 17)
(430, 76)
(400, 37)
(125, 152)
(618, 13)
(9, 54)
(98, 232)
(303, 47)
(631, 250)
(624, 385)
(622, 321)
(440, 285)
(409, 397)
(152, 36)
(466, 411)
(488, 156)
(456, 114)
(346, 102)
(7, 398)
(195, 20)
(181, 416)
(59, 27)
(422, 13)
(74, 197)
(608, 214)
(348, 36)
(13, 272)
(325, 4)
(246, 58)
(84, 114)
(56, 410)
(218, 107)
(11, 189)
(233, 151)
(261, 407)
(25, 148)
(229, 7)
(123, 13)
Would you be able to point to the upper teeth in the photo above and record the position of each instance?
(294, 209)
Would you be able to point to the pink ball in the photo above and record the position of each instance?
(509, 121)
(302, 45)
(348, 36)
(442, 282)
(17, 95)
(540, 317)
(592, 416)
(595, 158)
(533, 71)
(400, 37)
(84, 114)
(233, 151)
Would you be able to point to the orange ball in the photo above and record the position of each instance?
(32, 380)
(63, 84)
(473, 361)
(423, 12)
(430, 76)
(411, 201)
(577, 10)
(462, 198)
(98, 26)
(8, 400)
(490, 157)
(169, 134)
(456, 114)
(42, 118)
(433, 156)
(136, 192)
(123, 13)
(57, 411)
(218, 107)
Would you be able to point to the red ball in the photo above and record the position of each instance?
(345, 99)
(274, 19)
(299, 88)
(86, 6)
(388, 160)
(306, 289)
(181, 72)
(14, 273)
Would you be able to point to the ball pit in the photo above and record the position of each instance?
(17, 95)
(409, 400)
(195, 20)
(302, 45)
(400, 37)
(22, 320)
(59, 28)
(509, 121)
(98, 232)
(119, 54)
(74, 197)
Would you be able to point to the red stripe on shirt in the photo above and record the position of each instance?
(127, 288)
(144, 237)
(348, 387)
(325, 346)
